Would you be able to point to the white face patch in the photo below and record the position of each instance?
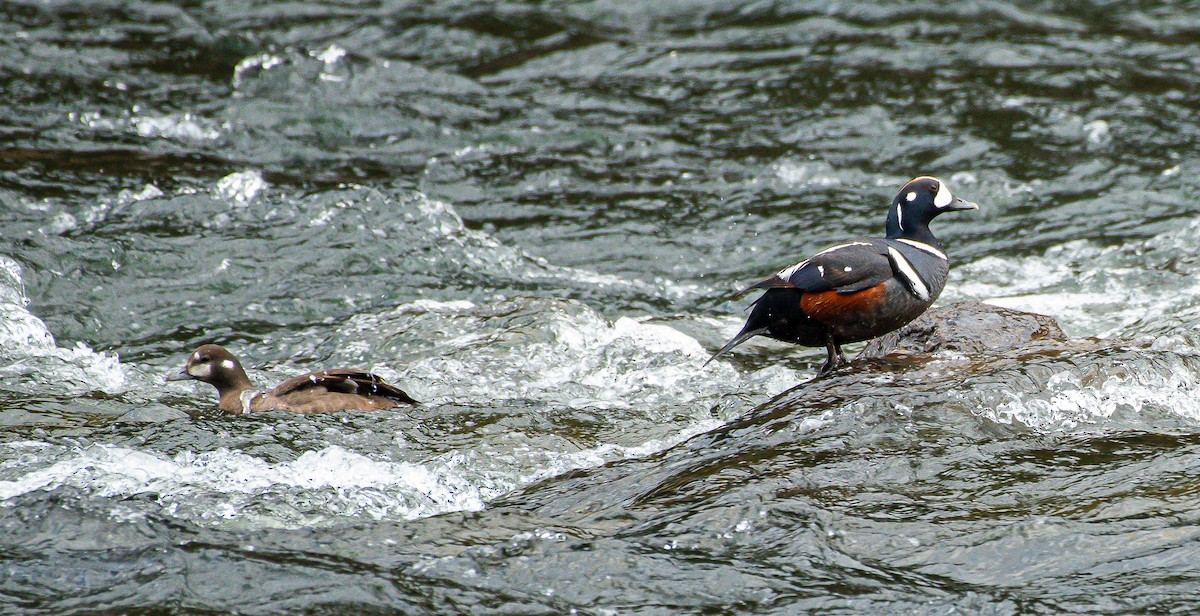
(943, 196)
(847, 269)
(228, 364)
(909, 274)
(910, 196)
(926, 247)
(200, 371)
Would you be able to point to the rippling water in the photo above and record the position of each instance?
(533, 216)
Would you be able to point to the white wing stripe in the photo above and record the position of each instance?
(787, 272)
(910, 275)
(840, 246)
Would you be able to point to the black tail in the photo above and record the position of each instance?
(757, 324)
(742, 336)
(776, 310)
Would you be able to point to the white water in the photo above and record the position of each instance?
(637, 383)
(1149, 287)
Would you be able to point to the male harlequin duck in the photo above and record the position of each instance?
(863, 288)
(316, 392)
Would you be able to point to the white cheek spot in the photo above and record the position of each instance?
(821, 270)
(200, 370)
(847, 269)
(910, 196)
(943, 196)
(228, 364)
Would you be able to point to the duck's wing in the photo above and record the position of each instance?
(845, 268)
(345, 381)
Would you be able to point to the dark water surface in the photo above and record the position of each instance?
(532, 216)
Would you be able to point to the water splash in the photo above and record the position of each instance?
(33, 362)
(241, 187)
(1149, 287)
(536, 349)
(1121, 387)
(230, 485)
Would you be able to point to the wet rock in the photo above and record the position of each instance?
(965, 371)
(966, 327)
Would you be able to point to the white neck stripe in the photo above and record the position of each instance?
(909, 274)
(926, 247)
(247, 398)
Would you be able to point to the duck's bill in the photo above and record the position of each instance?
(960, 204)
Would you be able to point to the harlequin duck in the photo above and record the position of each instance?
(324, 391)
(863, 288)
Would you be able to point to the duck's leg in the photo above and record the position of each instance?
(834, 357)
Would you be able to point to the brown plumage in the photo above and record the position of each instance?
(324, 391)
(833, 308)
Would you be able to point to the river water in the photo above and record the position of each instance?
(534, 217)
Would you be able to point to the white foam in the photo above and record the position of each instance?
(555, 358)
(330, 55)
(253, 64)
(1071, 401)
(242, 186)
(149, 191)
(184, 127)
(62, 223)
(331, 482)
(29, 349)
(1097, 132)
(230, 482)
(539, 349)
(179, 126)
(1095, 290)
